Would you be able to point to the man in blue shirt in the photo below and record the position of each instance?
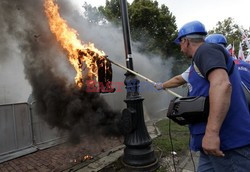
(223, 141)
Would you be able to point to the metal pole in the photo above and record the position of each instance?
(138, 152)
(126, 35)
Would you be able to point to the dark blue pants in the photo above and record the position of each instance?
(236, 160)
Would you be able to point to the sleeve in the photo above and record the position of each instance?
(208, 59)
(185, 74)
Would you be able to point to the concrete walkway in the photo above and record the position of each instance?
(107, 158)
(60, 157)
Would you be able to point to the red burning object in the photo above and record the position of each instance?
(90, 63)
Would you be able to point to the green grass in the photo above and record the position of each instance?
(180, 138)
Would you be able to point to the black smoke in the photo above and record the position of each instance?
(58, 101)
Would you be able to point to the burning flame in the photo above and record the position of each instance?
(87, 157)
(80, 55)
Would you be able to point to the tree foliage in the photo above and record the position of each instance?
(112, 11)
(230, 30)
(151, 25)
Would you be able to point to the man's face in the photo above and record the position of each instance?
(184, 44)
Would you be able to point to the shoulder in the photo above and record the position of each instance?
(242, 65)
(246, 64)
(207, 52)
(210, 48)
(209, 57)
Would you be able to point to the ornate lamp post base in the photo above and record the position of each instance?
(138, 153)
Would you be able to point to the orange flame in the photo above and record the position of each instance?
(87, 157)
(79, 54)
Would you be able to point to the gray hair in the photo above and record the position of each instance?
(195, 38)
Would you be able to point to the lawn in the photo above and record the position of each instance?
(180, 140)
(180, 137)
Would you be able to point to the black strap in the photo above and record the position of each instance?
(227, 56)
(231, 69)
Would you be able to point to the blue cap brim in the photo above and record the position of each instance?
(177, 41)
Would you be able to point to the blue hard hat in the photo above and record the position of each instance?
(217, 39)
(193, 27)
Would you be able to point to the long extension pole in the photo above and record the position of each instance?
(143, 77)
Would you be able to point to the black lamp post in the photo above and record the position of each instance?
(138, 153)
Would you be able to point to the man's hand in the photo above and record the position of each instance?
(158, 86)
(211, 144)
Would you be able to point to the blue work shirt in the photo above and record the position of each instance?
(235, 129)
(244, 69)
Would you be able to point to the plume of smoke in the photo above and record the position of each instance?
(110, 39)
(13, 86)
(58, 101)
